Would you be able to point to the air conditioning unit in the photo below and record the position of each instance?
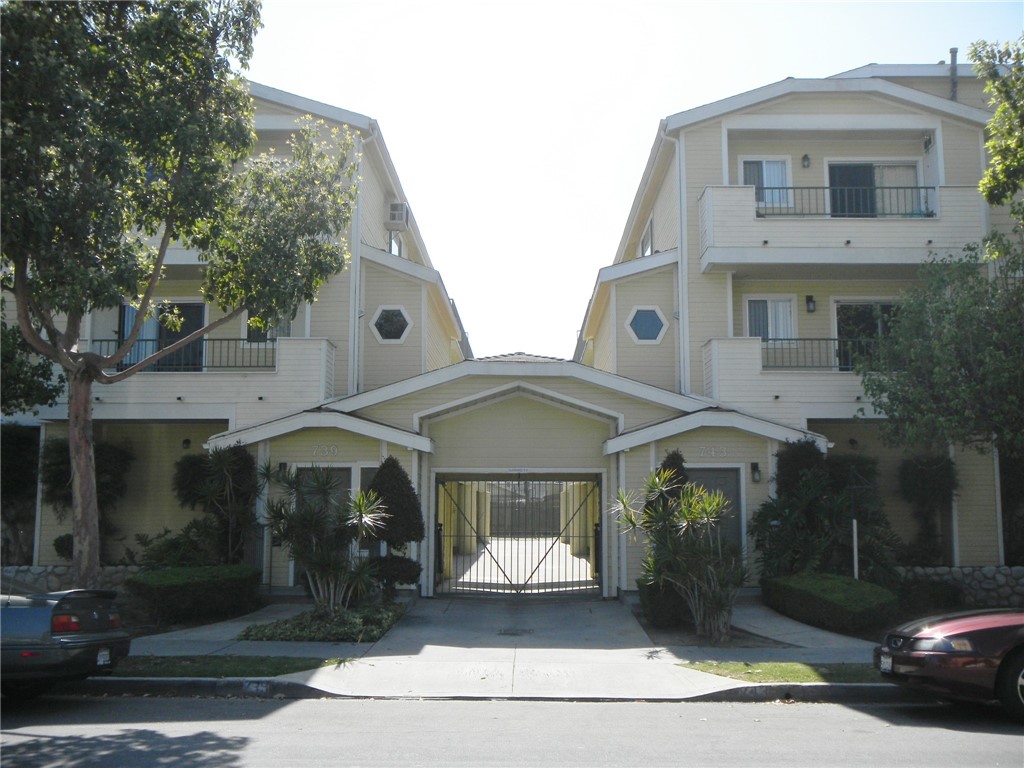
(398, 217)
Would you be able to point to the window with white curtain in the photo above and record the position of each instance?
(770, 179)
(770, 318)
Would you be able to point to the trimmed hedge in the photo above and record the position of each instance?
(173, 595)
(836, 603)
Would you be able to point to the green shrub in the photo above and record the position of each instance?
(832, 602)
(172, 595)
(663, 606)
(195, 544)
(362, 625)
(393, 570)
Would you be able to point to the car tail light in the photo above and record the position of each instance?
(114, 620)
(65, 622)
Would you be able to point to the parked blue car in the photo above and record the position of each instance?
(46, 639)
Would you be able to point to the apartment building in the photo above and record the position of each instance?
(769, 236)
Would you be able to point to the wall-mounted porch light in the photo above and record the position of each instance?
(805, 161)
(755, 472)
(812, 305)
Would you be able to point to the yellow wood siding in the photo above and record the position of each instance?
(149, 505)
(832, 104)
(962, 153)
(385, 363)
(666, 214)
(976, 516)
(653, 364)
(519, 432)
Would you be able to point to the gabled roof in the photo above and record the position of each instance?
(528, 374)
(320, 418)
(534, 369)
(789, 86)
(716, 417)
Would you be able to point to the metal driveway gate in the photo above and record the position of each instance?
(518, 534)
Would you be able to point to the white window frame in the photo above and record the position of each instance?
(395, 245)
(661, 316)
(646, 246)
(789, 298)
(376, 316)
(787, 161)
(271, 333)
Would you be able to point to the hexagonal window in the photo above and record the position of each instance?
(647, 325)
(391, 325)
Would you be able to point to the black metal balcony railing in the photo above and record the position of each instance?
(202, 355)
(821, 354)
(846, 202)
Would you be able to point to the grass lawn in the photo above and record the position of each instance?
(788, 672)
(216, 666)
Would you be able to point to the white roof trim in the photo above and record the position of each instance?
(302, 104)
(729, 419)
(840, 85)
(519, 388)
(515, 369)
(320, 420)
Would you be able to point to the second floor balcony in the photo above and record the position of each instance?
(220, 377)
(204, 355)
(881, 231)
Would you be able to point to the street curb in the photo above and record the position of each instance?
(273, 688)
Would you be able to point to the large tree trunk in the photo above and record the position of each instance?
(85, 518)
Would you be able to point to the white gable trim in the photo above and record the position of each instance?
(728, 419)
(852, 85)
(321, 420)
(302, 105)
(522, 388)
(520, 370)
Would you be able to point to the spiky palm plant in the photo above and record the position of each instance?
(314, 517)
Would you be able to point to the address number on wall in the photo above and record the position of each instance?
(712, 451)
(324, 451)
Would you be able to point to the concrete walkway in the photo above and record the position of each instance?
(541, 649)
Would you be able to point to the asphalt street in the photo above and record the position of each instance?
(80, 732)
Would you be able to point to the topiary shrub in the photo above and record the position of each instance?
(394, 570)
(832, 602)
(404, 515)
(174, 595)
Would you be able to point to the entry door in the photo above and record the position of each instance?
(852, 190)
(728, 482)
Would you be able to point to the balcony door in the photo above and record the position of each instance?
(156, 336)
(858, 326)
(852, 190)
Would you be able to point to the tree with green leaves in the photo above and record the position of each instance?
(1002, 68)
(122, 126)
(29, 380)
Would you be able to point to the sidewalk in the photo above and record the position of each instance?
(469, 648)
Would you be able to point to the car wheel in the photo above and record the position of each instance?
(1010, 687)
(24, 690)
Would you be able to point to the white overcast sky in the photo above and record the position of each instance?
(520, 129)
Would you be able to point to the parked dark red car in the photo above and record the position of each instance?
(975, 656)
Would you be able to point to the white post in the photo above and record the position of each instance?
(856, 566)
